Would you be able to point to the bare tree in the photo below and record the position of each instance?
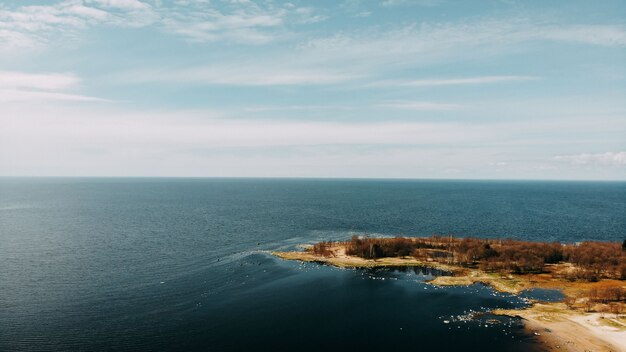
(616, 308)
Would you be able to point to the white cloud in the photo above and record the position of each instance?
(263, 22)
(82, 127)
(241, 21)
(202, 23)
(23, 86)
(243, 74)
(307, 15)
(46, 81)
(31, 26)
(470, 80)
(297, 108)
(60, 132)
(260, 73)
(121, 4)
(433, 82)
(420, 105)
(433, 43)
(428, 3)
(498, 163)
(17, 95)
(276, 78)
(45, 139)
(605, 35)
(12, 40)
(608, 158)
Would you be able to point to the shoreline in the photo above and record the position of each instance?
(556, 326)
(560, 329)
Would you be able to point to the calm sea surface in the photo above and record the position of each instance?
(182, 264)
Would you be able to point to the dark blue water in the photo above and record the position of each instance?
(181, 264)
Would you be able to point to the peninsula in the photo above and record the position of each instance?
(591, 275)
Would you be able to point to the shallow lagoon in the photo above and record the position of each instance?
(312, 305)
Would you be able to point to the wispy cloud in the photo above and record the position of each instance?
(23, 86)
(433, 82)
(498, 163)
(30, 26)
(19, 95)
(428, 3)
(199, 21)
(244, 74)
(297, 108)
(434, 43)
(246, 21)
(240, 21)
(608, 158)
(469, 80)
(604, 35)
(419, 105)
(41, 139)
(184, 129)
(47, 81)
(338, 58)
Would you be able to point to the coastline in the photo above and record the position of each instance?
(560, 329)
(556, 326)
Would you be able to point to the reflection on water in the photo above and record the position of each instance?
(417, 273)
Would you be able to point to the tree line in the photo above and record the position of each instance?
(591, 260)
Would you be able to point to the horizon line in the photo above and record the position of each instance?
(310, 178)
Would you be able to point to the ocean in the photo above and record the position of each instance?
(158, 264)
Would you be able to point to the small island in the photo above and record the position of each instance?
(591, 275)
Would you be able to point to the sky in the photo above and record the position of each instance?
(344, 88)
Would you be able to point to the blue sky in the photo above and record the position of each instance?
(391, 88)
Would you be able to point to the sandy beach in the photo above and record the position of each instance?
(564, 330)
